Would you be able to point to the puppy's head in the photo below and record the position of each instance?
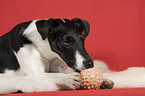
(66, 38)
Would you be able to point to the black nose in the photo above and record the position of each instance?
(88, 64)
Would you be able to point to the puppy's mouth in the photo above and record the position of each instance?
(77, 70)
(74, 67)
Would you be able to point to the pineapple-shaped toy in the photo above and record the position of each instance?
(91, 78)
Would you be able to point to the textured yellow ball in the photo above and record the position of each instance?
(91, 78)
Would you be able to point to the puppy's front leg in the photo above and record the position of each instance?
(63, 76)
(65, 81)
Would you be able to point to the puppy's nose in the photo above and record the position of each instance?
(88, 64)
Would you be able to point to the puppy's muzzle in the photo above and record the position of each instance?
(88, 64)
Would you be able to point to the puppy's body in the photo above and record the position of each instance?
(30, 51)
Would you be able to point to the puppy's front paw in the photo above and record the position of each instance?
(70, 81)
(107, 84)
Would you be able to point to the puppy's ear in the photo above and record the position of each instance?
(84, 26)
(43, 27)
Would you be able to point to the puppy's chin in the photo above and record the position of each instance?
(79, 70)
(75, 70)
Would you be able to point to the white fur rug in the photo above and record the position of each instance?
(133, 77)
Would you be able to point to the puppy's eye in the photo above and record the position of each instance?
(66, 42)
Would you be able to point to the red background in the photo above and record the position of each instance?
(117, 34)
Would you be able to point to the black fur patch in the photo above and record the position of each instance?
(9, 42)
(43, 27)
(17, 39)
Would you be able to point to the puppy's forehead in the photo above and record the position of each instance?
(66, 26)
(65, 22)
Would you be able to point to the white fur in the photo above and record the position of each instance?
(63, 20)
(25, 83)
(133, 77)
(79, 60)
(30, 61)
(49, 82)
